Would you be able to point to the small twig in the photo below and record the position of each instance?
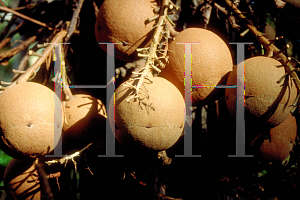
(95, 8)
(74, 19)
(71, 157)
(66, 89)
(25, 17)
(164, 157)
(28, 6)
(21, 66)
(5, 83)
(164, 197)
(222, 9)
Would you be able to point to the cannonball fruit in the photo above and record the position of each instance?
(154, 123)
(21, 179)
(30, 120)
(211, 64)
(85, 119)
(266, 101)
(278, 141)
(124, 21)
(270, 32)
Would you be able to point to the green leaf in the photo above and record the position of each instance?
(262, 173)
(4, 158)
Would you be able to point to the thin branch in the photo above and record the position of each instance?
(7, 27)
(24, 77)
(8, 38)
(66, 89)
(285, 61)
(25, 17)
(21, 66)
(74, 20)
(95, 8)
(5, 56)
(1, 2)
(28, 6)
(222, 9)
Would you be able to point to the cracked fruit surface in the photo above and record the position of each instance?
(30, 120)
(156, 126)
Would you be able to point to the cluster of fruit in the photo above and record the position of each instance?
(33, 119)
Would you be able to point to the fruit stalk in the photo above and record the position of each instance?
(66, 89)
(159, 33)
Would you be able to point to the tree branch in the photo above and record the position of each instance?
(5, 56)
(25, 17)
(24, 77)
(74, 20)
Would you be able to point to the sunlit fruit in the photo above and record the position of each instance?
(266, 101)
(30, 120)
(124, 22)
(156, 122)
(211, 64)
(21, 180)
(85, 119)
(278, 141)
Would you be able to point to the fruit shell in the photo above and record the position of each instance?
(21, 179)
(266, 101)
(124, 21)
(30, 120)
(157, 129)
(211, 64)
(85, 120)
(278, 141)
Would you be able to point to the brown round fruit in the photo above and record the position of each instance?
(266, 101)
(120, 21)
(270, 32)
(156, 126)
(30, 120)
(278, 141)
(211, 64)
(21, 180)
(85, 119)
